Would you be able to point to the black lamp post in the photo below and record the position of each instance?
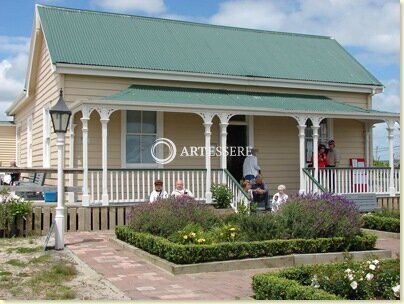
(60, 115)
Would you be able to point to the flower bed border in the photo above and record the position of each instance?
(243, 255)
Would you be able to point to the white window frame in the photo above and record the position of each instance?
(159, 134)
(46, 128)
(29, 142)
(18, 144)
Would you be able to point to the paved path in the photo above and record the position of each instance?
(142, 280)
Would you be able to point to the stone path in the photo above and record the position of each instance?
(141, 280)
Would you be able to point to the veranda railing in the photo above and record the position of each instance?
(352, 180)
(135, 185)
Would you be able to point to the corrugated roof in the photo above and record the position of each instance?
(236, 100)
(104, 39)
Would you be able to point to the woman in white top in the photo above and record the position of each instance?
(158, 192)
(180, 191)
(279, 198)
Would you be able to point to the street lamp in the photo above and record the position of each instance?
(60, 116)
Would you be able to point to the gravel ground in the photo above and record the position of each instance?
(22, 259)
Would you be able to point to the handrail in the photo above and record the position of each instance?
(149, 169)
(35, 170)
(311, 177)
(235, 182)
(354, 168)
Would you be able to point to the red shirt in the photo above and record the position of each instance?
(322, 160)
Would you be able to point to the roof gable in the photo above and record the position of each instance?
(114, 40)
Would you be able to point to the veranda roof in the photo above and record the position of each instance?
(238, 100)
(90, 38)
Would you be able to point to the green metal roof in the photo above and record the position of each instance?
(236, 100)
(104, 39)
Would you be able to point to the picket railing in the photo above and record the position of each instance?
(352, 180)
(135, 185)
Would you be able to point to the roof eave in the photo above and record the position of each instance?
(18, 102)
(91, 70)
(182, 108)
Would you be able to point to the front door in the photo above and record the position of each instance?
(236, 137)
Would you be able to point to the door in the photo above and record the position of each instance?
(236, 137)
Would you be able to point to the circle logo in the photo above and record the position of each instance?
(172, 150)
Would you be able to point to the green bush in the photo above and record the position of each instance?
(347, 280)
(272, 287)
(383, 223)
(314, 216)
(12, 208)
(221, 195)
(189, 254)
(388, 213)
(166, 217)
(257, 226)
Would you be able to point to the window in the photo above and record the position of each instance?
(46, 137)
(141, 132)
(29, 142)
(322, 137)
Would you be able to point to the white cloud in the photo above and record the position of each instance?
(12, 70)
(387, 101)
(359, 23)
(149, 6)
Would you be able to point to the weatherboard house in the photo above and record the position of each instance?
(131, 80)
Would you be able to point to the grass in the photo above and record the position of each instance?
(40, 260)
(16, 263)
(5, 273)
(24, 249)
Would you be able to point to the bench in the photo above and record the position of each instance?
(24, 188)
(366, 202)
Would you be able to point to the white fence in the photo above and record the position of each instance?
(353, 180)
(135, 185)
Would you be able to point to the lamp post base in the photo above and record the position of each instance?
(60, 228)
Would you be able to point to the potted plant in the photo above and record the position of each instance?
(221, 195)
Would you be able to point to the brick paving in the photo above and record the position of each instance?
(141, 280)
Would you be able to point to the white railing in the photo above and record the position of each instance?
(353, 180)
(135, 185)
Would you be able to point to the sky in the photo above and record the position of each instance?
(368, 29)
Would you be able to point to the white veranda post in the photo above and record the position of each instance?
(84, 121)
(207, 123)
(302, 127)
(104, 124)
(71, 195)
(224, 122)
(390, 136)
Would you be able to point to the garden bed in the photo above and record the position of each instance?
(200, 253)
(250, 263)
(367, 280)
(383, 221)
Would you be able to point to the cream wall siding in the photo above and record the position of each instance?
(276, 138)
(95, 141)
(187, 130)
(7, 145)
(349, 138)
(46, 92)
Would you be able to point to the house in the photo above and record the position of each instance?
(132, 80)
(7, 143)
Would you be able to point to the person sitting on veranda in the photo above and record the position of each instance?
(246, 185)
(260, 192)
(13, 178)
(180, 191)
(279, 198)
(158, 193)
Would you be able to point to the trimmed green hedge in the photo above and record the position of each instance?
(296, 283)
(190, 254)
(382, 223)
(270, 286)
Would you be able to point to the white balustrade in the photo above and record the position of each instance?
(354, 180)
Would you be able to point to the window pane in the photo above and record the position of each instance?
(133, 149)
(149, 122)
(133, 122)
(147, 142)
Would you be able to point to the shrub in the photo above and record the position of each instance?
(190, 234)
(188, 254)
(12, 208)
(166, 217)
(314, 216)
(372, 221)
(388, 213)
(349, 280)
(221, 195)
(257, 226)
(225, 233)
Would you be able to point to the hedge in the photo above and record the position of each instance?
(294, 283)
(271, 286)
(190, 254)
(382, 223)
